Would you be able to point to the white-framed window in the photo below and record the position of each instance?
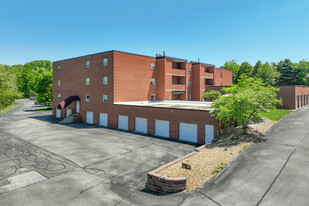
(59, 97)
(87, 64)
(189, 96)
(87, 98)
(59, 68)
(152, 97)
(189, 83)
(59, 82)
(189, 70)
(221, 83)
(152, 65)
(152, 82)
(105, 61)
(87, 81)
(105, 98)
(105, 80)
(221, 74)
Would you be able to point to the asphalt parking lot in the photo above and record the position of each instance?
(45, 163)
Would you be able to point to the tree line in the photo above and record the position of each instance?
(284, 72)
(19, 81)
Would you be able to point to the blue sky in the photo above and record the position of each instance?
(213, 30)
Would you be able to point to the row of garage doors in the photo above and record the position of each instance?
(187, 132)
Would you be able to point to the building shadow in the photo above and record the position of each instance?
(54, 120)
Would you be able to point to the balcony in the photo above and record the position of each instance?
(176, 72)
(209, 82)
(177, 87)
(209, 70)
(207, 75)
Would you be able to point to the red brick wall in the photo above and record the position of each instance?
(287, 93)
(226, 79)
(174, 116)
(196, 82)
(73, 80)
(132, 75)
(160, 78)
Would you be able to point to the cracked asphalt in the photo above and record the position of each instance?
(80, 164)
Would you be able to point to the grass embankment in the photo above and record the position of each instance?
(5, 109)
(276, 114)
(44, 110)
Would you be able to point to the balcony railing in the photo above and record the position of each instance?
(176, 72)
(208, 75)
(177, 87)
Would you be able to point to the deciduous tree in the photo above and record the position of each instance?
(244, 102)
(268, 74)
(44, 87)
(8, 86)
(211, 95)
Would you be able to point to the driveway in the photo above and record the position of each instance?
(45, 163)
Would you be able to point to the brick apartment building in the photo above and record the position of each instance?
(136, 92)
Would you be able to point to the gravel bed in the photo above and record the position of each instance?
(208, 161)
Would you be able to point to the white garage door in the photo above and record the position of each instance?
(68, 112)
(103, 119)
(162, 128)
(209, 133)
(58, 113)
(188, 132)
(141, 125)
(89, 117)
(123, 122)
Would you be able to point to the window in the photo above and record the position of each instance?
(87, 81)
(152, 82)
(105, 99)
(221, 74)
(189, 83)
(189, 70)
(152, 97)
(87, 98)
(105, 62)
(221, 83)
(59, 97)
(59, 68)
(105, 80)
(189, 96)
(87, 64)
(59, 82)
(152, 65)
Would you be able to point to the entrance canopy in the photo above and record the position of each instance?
(67, 102)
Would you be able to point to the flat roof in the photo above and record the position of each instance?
(202, 63)
(158, 57)
(171, 104)
(172, 58)
(103, 53)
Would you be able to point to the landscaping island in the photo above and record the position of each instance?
(199, 167)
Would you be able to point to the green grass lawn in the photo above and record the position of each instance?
(276, 114)
(44, 110)
(12, 106)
